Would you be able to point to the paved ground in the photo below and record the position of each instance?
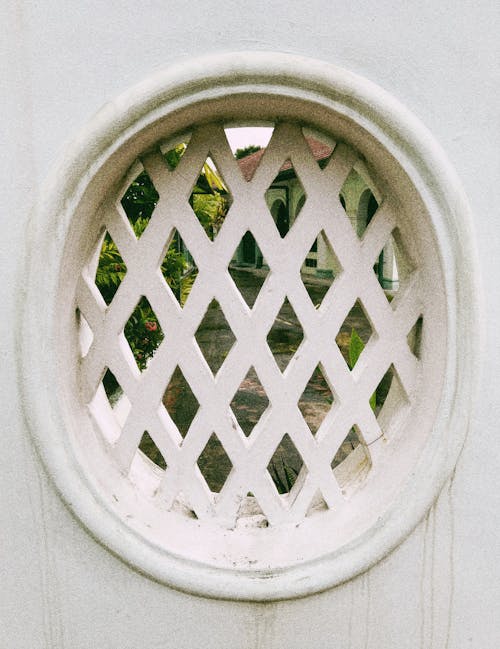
(215, 339)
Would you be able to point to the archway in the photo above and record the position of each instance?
(281, 217)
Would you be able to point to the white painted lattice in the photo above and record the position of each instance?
(142, 408)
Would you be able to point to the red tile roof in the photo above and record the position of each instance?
(248, 165)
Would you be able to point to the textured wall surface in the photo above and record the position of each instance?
(62, 62)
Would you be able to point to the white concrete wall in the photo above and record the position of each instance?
(60, 62)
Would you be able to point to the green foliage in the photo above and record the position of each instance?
(143, 333)
(186, 284)
(174, 268)
(208, 181)
(246, 151)
(373, 401)
(210, 204)
(356, 346)
(110, 270)
(143, 330)
(173, 156)
(285, 478)
(211, 210)
(140, 199)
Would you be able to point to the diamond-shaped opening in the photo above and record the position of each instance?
(317, 504)
(173, 151)
(358, 201)
(179, 268)
(110, 406)
(285, 465)
(249, 402)
(139, 201)
(285, 335)
(85, 333)
(111, 269)
(319, 269)
(390, 401)
(214, 464)
(143, 333)
(113, 389)
(248, 144)
(366, 210)
(117, 398)
(180, 402)
(151, 451)
(393, 265)
(352, 459)
(414, 337)
(382, 391)
(316, 400)
(210, 199)
(354, 334)
(278, 198)
(248, 268)
(321, 146)
(214, 336)
(351, 442)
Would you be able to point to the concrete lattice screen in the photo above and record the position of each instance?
(214, 502)
(230, 487)
(143, 406)
(351, 380)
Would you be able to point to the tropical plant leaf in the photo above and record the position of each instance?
(210, 203)
(186, 286)
(284, 479)
(213, 178)
(174, 155)
(356, 346)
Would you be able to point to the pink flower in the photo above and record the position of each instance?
(151, 326)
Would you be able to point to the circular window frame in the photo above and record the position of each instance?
(183, 87)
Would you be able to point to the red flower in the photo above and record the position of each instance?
(151, 326)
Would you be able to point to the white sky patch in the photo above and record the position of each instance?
(239, 138)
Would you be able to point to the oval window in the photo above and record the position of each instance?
(254, 329)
